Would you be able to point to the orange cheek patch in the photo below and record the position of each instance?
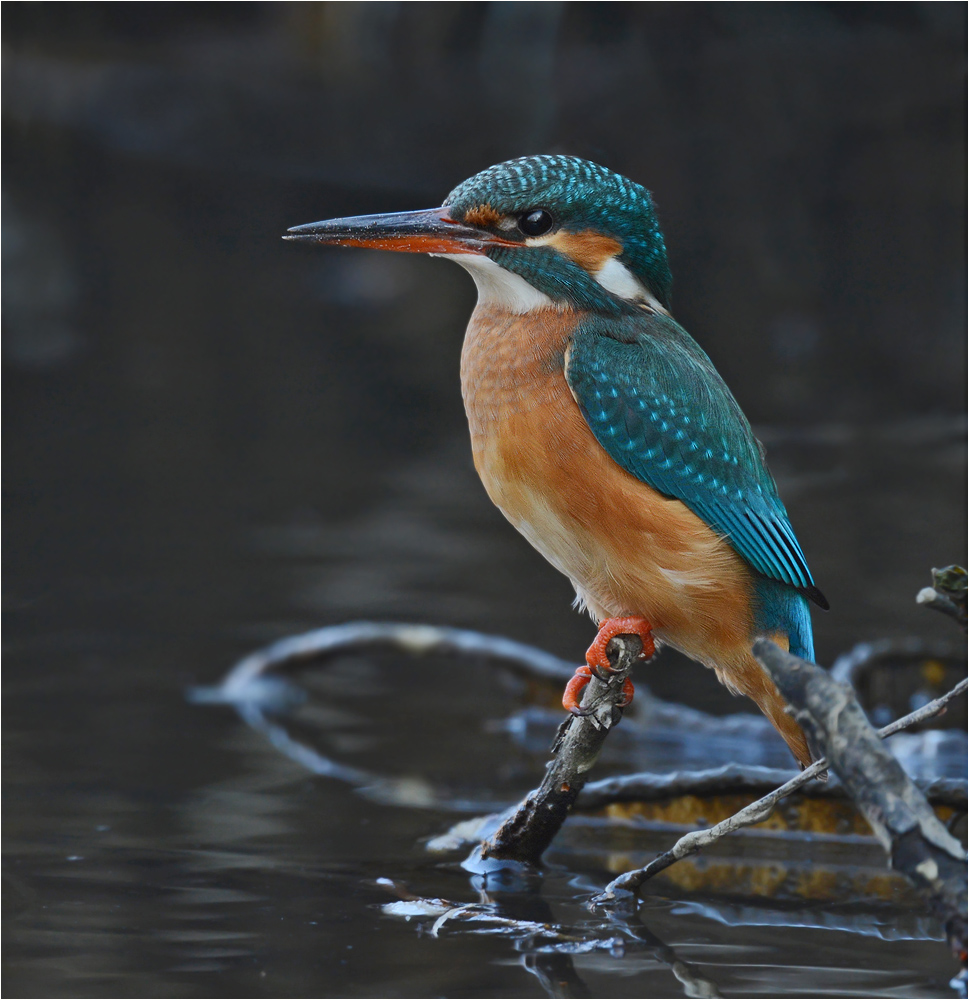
(589, 249)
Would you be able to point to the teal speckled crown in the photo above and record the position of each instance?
(583, 196)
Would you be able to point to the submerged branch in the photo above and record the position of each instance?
(255, 690)
(242, 682)
(756, 812)
(736, 779)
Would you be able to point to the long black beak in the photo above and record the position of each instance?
(430, 230)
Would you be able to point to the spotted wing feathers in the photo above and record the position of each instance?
(656, 404)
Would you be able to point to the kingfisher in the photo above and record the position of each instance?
(602, 430)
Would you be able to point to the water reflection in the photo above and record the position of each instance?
(841, 870)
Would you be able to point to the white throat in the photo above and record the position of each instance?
(501, 289)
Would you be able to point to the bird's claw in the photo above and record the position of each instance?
(573, 691)
(571, 700)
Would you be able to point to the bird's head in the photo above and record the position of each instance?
(540, 231)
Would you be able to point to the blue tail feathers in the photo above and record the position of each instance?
(780, 608)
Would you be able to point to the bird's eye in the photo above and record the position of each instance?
(537, 222)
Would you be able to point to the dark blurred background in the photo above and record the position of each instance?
(214, 438)
(173, 370)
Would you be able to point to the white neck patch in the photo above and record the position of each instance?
(615, 277)
(501, 289)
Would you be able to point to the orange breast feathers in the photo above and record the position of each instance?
(626, 548)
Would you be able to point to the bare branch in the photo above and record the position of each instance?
(916, 842)
(524, 837)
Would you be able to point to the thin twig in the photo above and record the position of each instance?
(929, 711)
(757, 811)
(524, 836)
(947, 593)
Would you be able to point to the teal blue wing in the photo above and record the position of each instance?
(655, 402)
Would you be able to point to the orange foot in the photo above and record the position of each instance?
(598, 662)
(575, 687)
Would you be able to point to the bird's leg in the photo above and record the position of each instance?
(597, 662)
